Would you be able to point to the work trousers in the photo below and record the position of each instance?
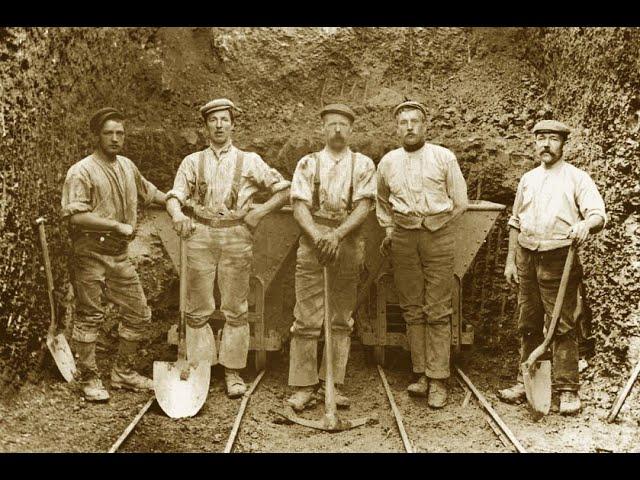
(226, 251)
(423, 273)
(539, 274)
(112, 277)
(343, 276)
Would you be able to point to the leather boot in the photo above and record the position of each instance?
(419, 388)
(235, 384)
(87, 374)
(302, 398)
(515, 394)
(122, 373)
(569, 403)
(342, 401)
(438, 393)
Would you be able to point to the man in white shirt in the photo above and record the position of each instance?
(556, 203)
(421, 191)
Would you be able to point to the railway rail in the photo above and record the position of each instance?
(498, 426)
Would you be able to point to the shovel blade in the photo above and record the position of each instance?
(61, 353)
(201, 345)
(537, 384)
(178, 397)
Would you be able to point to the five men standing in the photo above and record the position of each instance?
(418, 192)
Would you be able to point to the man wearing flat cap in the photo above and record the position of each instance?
(332, 192)
(100, 199)
(215, 188)
(421, 191)
(556, 204)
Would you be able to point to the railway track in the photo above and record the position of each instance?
(499, 428)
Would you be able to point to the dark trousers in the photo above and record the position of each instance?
(539, 274)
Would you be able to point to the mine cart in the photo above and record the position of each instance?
(378, 319)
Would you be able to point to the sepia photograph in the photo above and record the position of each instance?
(319, 239)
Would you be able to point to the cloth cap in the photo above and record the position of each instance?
(217, 105)
(551, 126)
(101, 116)
(410, 104)
(340, 108)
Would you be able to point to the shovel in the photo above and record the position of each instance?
(56, 341)
(537, 374)
(330, 422)
(181, 387)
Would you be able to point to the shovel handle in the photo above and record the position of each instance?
(557, 308)
(47, 269)
(329, 387)
(182, 347)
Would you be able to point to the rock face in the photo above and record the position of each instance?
(484, 89)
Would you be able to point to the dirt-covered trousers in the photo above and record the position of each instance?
(229, 252)
(539, 274)
(309, 309)
(115, 277)
(423, 274)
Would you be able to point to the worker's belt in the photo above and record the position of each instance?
(218, 222)
(105, 243)
(329, 222)
(431, 223)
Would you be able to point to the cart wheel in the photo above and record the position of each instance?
(260, 360)
(378, 355)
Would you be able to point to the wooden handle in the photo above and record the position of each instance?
(329, 387)
(47, 268)
(557, 308)
(624, 393)
(182, 325)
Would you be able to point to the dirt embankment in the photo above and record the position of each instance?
(484, 89)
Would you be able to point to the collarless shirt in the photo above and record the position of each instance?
(335, 180)
(219, 170)
(549, 201)
(418, 189)
(109, 189)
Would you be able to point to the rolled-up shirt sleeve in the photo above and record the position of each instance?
(185, 180)
(456, 185)
(146, 190)
(76, 193)
(514, 219)
(384, 212)
(302, 181)
(264, 176)
(364, 180)
(589, 200)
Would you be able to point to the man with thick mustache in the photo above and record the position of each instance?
(421, 191)
(100, 198)
(216, 187)
(332, 192)
(555, 205)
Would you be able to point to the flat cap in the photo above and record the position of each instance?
(410, 104)
(340, 108)
(101, 116)
(217, 105)
(551, 126)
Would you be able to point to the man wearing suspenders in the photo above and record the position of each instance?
(332, 193)
(215, 187)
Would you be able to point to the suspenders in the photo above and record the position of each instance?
(201, 185)
(316, 184)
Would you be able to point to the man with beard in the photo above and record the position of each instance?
(100, 198)
(216, 186)
(421, 191)
(555, 205)
(332, 193)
